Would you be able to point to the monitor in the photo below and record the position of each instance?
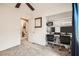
(67, 29)
(52, 29)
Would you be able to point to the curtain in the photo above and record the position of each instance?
(75, 40)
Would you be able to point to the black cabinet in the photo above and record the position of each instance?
(65, 39)
(50, 37)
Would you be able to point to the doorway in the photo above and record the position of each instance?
(24, 29)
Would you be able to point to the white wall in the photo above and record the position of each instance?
(10, 24)
(37, 35)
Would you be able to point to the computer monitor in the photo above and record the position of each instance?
(66, 29)
(52, 29)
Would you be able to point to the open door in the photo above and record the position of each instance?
(24, 29)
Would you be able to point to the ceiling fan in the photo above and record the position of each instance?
(28, 4)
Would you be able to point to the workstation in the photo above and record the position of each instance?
(59, 30)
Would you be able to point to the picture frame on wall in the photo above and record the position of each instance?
(38, 22)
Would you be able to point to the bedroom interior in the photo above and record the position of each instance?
(48, 33)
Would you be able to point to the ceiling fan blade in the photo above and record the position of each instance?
(18, 5)
(30, 6)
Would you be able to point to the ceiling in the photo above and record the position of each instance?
(40, 6)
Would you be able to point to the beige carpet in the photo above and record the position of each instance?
(28, 49)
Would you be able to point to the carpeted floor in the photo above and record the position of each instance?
(29, 49)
